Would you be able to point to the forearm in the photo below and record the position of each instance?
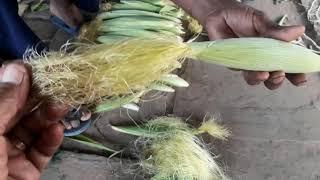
(15, 34)
(200, 9)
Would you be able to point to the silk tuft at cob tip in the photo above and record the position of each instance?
(93, 72)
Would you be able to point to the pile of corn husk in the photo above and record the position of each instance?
(170, 149)
(173, 151)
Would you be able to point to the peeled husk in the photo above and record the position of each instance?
(173, 151)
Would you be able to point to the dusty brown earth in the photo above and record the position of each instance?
(275, 134)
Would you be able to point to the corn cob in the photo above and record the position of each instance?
(257, 54)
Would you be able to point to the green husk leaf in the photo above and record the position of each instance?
(91, 143)
(138, 15)
(152, 128)
(135, 131)
(131, 106)
(139, 33)
(112, 39)
(161, 87)
(144, 24)
(171, 11)
(174, 80)
(135, 5)
(143, 21)
(160, 2)
(117, 102)
(133, 32)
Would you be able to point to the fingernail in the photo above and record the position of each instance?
(12, 75)
(302, 83)
(277, 80)
(254, 83)
(66, 125)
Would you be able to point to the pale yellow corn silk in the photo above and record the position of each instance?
(106, 6)
(98, 70)
(193, 25)
(178, 154)
(213, 129)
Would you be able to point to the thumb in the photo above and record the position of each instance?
(14, 90)
(266, 28)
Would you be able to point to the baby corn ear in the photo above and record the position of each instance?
(257, 54)
(93, 72)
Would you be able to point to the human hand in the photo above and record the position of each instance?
(67, 11)
(27, 139)
(230, 19)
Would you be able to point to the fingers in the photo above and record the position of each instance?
(248, 22)
(32, 126)
(55, 112)
(44, 116)
(22, 169)
(44, 148)
(255, 77)
(266, 28)
(3, 159)
(19, 133)
(288, 34)
(14, 90)
(275, 80)
(67, 11)
(217, 27)
(297, 79)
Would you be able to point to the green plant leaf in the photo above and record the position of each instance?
(91, 143)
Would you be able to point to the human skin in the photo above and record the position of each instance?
(222, 19)
(230, 19)
(28, 139)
